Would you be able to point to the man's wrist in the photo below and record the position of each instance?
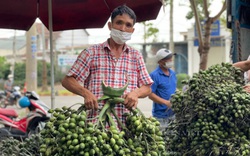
(136, 92)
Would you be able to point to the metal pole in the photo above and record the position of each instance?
(14, 55)
(44, 74)
(72, 42)
(51, 54)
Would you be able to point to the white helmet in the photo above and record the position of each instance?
(10, 76)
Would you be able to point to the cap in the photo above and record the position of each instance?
(163, 53)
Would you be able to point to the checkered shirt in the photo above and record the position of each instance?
(97, 63)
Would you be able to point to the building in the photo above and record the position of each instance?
(65, 42)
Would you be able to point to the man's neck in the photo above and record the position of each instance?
(165, 71)
(115, 48)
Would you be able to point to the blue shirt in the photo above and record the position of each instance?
(164, 86)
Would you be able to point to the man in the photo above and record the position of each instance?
(247, 74)
(163, 87)
(8, 87)
(114, 62)
(245, 67)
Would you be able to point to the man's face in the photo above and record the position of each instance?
(123, 23)
(164, 61)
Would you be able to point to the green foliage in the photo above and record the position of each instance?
(4, 68)
(150, 31)
(180, 78)
(20, 72)
(200, 10)
(166, 2)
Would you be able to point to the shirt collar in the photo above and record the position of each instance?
(106, 45)
(161, 72)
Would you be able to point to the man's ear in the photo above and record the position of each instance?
(109, 25)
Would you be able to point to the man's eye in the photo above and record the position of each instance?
(119, 22)
(129, 25)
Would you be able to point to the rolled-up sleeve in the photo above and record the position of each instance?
(143, 75)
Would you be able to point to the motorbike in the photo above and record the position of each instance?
(13, 98)
(32, 123)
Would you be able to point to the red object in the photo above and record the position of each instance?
(8, 112)
(8, 117)
(70, 14)
(24, 88)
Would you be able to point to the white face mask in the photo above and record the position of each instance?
(120, 37)
(169, 65)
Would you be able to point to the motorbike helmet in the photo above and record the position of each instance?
(24, 102)
(10, 76)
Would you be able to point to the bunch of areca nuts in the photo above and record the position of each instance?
(212, 115)
(70, 133)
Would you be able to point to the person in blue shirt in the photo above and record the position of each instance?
(164, 86)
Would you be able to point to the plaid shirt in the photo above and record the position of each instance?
(97, 63)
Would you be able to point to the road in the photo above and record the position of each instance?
(145, 105)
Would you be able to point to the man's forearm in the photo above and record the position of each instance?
(243, 65)
(159, 100)
(143, 91)
(73, 86)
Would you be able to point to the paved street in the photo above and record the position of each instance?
(145, 105)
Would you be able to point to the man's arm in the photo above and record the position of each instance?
(159, 100)
(243, 65)
(143, 91)
(5, 86)
(70, 83)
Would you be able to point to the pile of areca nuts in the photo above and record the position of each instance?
(212, 119)
(212, 115)
(69, 133)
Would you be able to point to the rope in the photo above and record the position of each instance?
(231, 50)
(238, 41)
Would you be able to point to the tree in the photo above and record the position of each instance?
(20, 73)
(4, 68)
(149, 31)
(171, 23)
(201, 13)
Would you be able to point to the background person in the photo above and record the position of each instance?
(8, 87)
(245, 67)
(247, 74)
(164, 86)
(114, 62)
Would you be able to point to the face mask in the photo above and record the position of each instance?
(169, 65)
(120, 37)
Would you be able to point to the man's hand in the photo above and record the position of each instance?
(90, 101)
(70, 83)
(131, 100)
(167, 103)
(247, 88)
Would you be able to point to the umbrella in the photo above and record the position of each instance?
(70, 14)
(59, 15)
